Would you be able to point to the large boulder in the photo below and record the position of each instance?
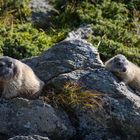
(115, 119)
(119, 116)
(65, 57)
(25, 117)
(74, 60)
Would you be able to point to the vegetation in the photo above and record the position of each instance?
(14, 11)
(73, 96)
(18, 37)
(116, 26)
(22, 40)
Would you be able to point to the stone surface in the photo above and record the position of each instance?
(25, 117)
(74, 60)
(34, 137)
(120, 114)
(64, 57)
(41, 12)
(118, 118)
(81, 33)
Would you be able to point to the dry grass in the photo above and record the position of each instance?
(74, 96)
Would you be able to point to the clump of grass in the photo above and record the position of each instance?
(73, 96)
(16, 11)
(73, 99)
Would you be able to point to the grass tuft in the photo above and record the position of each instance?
(73, 96)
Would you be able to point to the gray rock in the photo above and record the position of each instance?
(34, 137)
(121, 109)
(81, 33)
(25, 117)
(64, 57)
(116, 119)
(41, 12)
(76, 61)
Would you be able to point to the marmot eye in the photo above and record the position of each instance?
(1, 64)
(119, 64)
(9, 64)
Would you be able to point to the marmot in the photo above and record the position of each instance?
(128, 72)
(18, 79)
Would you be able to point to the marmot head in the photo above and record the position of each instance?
(118, 64)
(7, 68)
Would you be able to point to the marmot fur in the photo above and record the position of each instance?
(18, 79)
(128, 72)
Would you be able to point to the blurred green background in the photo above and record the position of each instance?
(115, 24)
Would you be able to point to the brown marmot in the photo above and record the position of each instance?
(18, 79)
(128, 72)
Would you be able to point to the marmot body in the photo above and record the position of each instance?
(128, 72)
(18, 79)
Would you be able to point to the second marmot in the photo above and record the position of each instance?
(128, 72)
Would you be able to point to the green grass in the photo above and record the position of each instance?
(115, 27)
(23, 40)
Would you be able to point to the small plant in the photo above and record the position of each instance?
(14, 11)
(74, 96)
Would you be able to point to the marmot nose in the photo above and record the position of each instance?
(124, 69)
